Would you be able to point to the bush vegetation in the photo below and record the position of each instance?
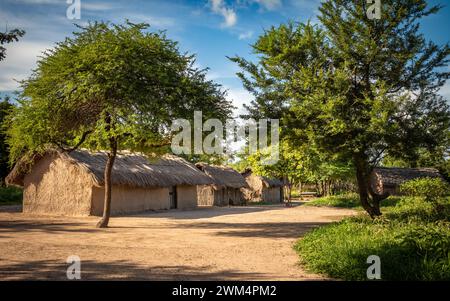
(348, 200)
(412, 240)
(10, 195)
(431, 189)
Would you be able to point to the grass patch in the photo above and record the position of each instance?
(412, 240)
(349, 200)
(342, 201)
(10, 196)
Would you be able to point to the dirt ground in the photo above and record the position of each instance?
(233, 243)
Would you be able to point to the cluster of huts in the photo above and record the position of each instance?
(72, 183)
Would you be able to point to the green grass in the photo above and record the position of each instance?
(10, 196)
(412, 240)
(349, 200)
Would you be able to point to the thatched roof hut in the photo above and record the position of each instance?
(223, 176)
(388, 179)
(56, 179)
(262, 189)
(226, 188)
(133, 170)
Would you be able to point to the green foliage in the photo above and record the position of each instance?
(10, 195)
(353, 87)
(110, 84)
(5, 108)
(437, 157)
(299, 165)
(347, 200)
(350, 200)
(412, 241)
(431, 189)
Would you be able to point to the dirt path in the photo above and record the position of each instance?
(236, 243)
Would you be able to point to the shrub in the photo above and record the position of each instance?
(411, 239)
(347, 200)
(431, 189)
(10, 195)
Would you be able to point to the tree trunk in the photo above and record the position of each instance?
(300, 190)
(290, 193)
(103, 223)
(363, 180)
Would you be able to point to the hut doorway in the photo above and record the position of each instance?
(173, 197)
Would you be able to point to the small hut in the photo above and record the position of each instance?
(262, 189)
(388, 179)
(226, 188)
(62, 183)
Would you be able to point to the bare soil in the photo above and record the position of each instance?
(232, 243)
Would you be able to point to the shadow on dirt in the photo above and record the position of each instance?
(117, 270)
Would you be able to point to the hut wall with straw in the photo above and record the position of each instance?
(128, 200)
(57, 187)
(226, 189)
(262, 189)
(187, 196)
(60, 183)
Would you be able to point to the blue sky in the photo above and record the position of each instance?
(212, 29)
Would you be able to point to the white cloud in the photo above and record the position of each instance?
(93, 6)
(445, 91)
(269, 4)
(21, 58)
(246, 35)
(229, 15)
(238, 97)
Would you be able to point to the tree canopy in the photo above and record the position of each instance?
(110, 87)
(353, 87)
(5, 108)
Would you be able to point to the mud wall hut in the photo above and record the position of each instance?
(388, 179)
(226, 189)
(61, 183)
(262, 189)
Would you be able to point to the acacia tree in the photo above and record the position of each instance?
(352, 86)
(5, 106)
(110, 87)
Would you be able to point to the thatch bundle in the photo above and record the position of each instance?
(266, 181)
(130, 169)
(394, 176)
(223, 176)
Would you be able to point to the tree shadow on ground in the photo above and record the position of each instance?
(119, 270)
(206, 212)
(42, 226)
(262, 230)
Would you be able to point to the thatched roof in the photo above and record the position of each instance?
(271, 182)
(223, 176)
(393, 176)
(267, 182)
(134, 170)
